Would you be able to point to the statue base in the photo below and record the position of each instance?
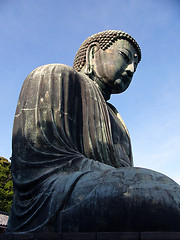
(93, 236)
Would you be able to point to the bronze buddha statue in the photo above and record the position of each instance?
(72, 163)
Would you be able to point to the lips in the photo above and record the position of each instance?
(121, 83)
(126, 77)
(123, 79)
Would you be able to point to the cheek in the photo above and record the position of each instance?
(108, 67)
(104, 67)
(109, 70)
(116, 66)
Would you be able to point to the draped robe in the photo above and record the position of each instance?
(63, 129)
(72, 163)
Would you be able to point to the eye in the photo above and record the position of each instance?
(125, 56)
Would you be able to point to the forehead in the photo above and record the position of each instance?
(122, 43)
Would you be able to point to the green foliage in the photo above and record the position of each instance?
(6, 185)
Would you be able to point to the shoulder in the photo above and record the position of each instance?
(54, 68)
(58, 71)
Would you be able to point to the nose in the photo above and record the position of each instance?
(130, 68)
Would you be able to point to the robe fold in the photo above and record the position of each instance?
(63, 131)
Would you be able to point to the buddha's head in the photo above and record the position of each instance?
(110, 58)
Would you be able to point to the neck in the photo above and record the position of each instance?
(104, 88)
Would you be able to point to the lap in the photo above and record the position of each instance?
(125, 199)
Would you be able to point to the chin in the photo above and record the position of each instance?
(119, 88)
(116, 91)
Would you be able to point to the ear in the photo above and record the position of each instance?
(90, 52)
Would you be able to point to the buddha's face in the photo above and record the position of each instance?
(116, 65)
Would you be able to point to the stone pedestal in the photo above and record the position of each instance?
(94, 236)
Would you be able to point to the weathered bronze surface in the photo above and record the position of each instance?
(72, 162)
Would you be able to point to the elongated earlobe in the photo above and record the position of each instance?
(88, 69)
(90, 57)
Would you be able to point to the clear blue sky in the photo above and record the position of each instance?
(38, 32)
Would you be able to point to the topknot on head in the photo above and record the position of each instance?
(105, 40)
